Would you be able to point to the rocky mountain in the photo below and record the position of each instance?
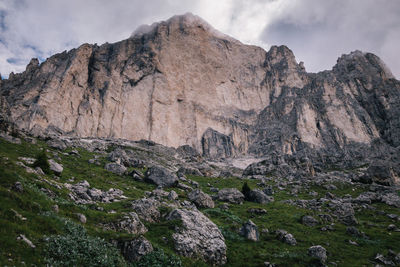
(180, 82)
(181, 146)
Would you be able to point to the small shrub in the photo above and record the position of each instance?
(158, 258)
(246, 190)
(229, 235)
(76, 248)
(41, 161)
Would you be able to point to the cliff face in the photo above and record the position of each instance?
(181, 82)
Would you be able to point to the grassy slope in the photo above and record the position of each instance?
(36, 207)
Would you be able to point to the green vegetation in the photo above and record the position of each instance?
(60, 239)
(246, 190)
(158, 258)
(41, 162)
(76, 248)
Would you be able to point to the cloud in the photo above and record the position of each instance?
(317, 31)
(320, 31)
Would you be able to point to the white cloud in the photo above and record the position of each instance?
(317, 31)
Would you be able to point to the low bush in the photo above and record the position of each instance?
(76, 248)
(158, 258)
(41, 161)
(246, 190)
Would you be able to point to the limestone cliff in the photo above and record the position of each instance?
(181, 82)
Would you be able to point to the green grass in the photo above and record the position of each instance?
(42, 222)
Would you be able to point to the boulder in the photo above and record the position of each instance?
(269, 191)
(147, 209)
(285, 237)
(81, 193)
(55, 167)
(201, 199)
(381, 172)
(258, 196)
(115, 168)
(345, 212)
(172, 195)
(126, 158)
(9, 138)
(198, 236)
(137, 175)
(161, 177)
(130, 223)
(189, 171)
(81, 217)
(355, 232)
(250, 231)
(231, 195)
(318, 252)
(134, 250)
(57, 144)
(309, 220)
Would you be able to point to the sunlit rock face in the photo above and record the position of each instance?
(181, 82)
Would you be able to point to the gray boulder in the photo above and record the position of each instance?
(147, 209)
(318, 252)
(259, 196)
(231, 195)
(115, 168)
(126, 158)
(285, 237)
(269, 191)
(161, 177)
(198, 237)
(137, 175)
(130, 223)
(250, 231)
(81, 217)
(189, 171)
(381, 172)
(55, 167)
(57, 144)
(309, 220)
(345, 212)
(134, 250)
(172, 195)
(201, 199)
(81, 193)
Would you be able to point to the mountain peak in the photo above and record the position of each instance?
(182, 22)
(362, 63)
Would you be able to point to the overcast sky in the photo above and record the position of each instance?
(317, 31)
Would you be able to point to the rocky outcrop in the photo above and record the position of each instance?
(231, 195)
(130, 223)
(250, 231)
(286, 237)
(183, 83)
(147, 209)
(198, 237)
(318, 252)
(134, 250)
(115, 168)
(161, 177)
(258, 196)
(201, 199)
(82, 193)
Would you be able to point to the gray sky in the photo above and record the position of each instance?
(318, 31)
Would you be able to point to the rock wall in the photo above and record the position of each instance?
(183, 83)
